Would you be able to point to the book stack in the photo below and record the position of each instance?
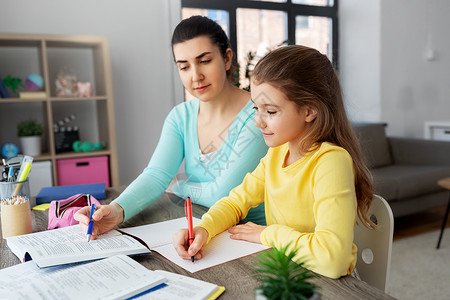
(48, 194)
(116, 277)
(63, 255)
(82, 281)
(3, 91)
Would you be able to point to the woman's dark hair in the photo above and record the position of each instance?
(196, 26)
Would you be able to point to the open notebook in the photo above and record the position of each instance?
(68, 245)
(219, 250)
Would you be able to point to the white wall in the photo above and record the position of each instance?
(359, 58)
(385, 74)
(142, 67)
(414, 89)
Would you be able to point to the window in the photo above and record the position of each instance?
(314, 32)
(255, 27)
(220, 16)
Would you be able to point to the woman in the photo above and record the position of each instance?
(214, 134)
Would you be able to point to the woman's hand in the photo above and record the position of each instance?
(106, 217)
(180, 242)
(248, 232)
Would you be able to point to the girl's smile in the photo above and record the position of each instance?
(267, 134)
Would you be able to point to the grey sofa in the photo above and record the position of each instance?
(405, 170)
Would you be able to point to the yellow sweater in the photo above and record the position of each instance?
(310, 204)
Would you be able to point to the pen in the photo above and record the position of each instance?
(10, 174)
(188, 212)
(91, 223)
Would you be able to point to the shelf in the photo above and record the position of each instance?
(87, 58)
(20, 100)
(43, 156)
(78, 98)
(54, 99)
(81, 154)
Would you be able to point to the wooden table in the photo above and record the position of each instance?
(236, 276)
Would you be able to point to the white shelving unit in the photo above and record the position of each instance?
(437, 130)
(89, 59)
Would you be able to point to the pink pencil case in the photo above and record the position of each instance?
(61, 212)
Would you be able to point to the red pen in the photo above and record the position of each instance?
(188, 212)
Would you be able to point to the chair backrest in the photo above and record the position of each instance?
(375, 245)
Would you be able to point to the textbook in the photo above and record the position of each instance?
(117, 277)
(183, 287)
(33, 95)
(69, 245)
(3, 91)
(48, 194)
(219, 250)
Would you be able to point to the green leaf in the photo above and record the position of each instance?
(29, 128)
(282, 278)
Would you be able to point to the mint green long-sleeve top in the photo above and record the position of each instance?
(206, 181)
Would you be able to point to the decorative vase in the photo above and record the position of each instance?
(261, 296)
(31, 145)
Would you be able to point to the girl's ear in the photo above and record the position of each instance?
(228, 59)
(311, 113)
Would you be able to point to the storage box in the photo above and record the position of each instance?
(437, 130)
(83, 170)
(40, 176)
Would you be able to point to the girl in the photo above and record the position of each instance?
(312, 180)
(214, 134)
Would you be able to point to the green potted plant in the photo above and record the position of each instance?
(282, 278)
(30, 132)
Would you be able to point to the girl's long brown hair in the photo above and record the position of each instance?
(307, 77)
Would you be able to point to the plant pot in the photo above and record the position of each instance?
(31, 145)
(261, 296)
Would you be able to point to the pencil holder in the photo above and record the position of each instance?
(16, 218)
(16, 188)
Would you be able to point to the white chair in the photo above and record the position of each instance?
(375, 246)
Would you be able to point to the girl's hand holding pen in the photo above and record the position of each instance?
(180, 242)
(106, 217)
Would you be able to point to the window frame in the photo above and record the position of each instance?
(292, 10)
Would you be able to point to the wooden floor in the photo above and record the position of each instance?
(419, 223)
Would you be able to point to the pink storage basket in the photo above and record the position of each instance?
(83, 170)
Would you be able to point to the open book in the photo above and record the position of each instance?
(182, 287)
(117, 277)
(68, 245)
(219, 250)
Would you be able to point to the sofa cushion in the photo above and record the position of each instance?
(399, 182)
(374, 144)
